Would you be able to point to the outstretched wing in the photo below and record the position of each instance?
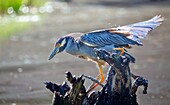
(102, 38)
(129, 34)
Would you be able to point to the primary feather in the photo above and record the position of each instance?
(104, 37)
(128, 34)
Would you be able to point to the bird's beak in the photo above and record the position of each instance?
(53, 53)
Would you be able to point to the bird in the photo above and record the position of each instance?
(111, 39)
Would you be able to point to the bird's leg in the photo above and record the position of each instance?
(120, 49)
(101, 75)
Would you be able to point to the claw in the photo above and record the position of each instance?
(120, 49)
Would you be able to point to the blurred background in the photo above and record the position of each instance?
(29, 29)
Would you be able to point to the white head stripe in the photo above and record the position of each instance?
(63, 42)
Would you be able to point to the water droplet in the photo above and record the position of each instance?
(49, 7)
(14, 104)
(42, 10)
(15, 76)
(10, 10)
(20, 70)
(160, 97)
(152, 96)
(30, 88)
(25, 9)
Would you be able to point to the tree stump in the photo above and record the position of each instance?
(118, 89)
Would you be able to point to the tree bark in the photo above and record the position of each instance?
(118, 89)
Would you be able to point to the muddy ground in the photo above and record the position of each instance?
(23, 57)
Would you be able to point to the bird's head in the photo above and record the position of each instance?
(59, 46)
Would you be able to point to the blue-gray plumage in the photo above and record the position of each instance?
(117, 38)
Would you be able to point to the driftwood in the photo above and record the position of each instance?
(118, 89)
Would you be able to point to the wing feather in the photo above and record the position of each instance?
(139, 30)
(129, 34)
(104, 37)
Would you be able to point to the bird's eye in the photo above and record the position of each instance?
(58, 45)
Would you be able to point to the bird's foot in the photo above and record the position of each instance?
(120, 49)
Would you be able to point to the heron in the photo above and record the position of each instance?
(112, 40)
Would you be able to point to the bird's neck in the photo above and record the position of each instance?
(70, 40)
(72, 45)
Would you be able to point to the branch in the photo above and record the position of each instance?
(118, 89)
(93, 79)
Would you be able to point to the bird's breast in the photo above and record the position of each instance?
(81, 50)
(84, 52)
